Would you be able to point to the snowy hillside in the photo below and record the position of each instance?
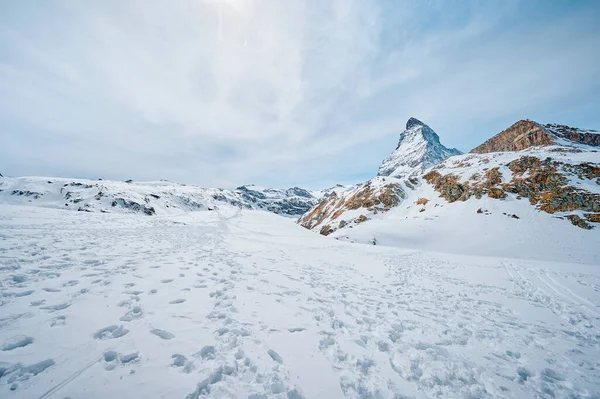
(479, 206)
(245, 304)
(538, 186)
(419, 148)
(150, 198)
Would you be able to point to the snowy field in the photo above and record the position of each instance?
(246, 304)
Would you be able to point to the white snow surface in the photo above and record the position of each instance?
(419, 148)
(245, 304)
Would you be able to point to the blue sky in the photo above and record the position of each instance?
(279, 93)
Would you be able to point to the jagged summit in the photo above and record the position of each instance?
(419, 147)
(412, 122)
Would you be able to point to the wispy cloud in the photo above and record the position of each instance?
(227, 92)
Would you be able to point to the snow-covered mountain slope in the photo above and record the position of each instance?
(160, 197)
(354, 206)
(542, 183)
(537, 203)
(419, 148)
(338, 189)
(246, 304)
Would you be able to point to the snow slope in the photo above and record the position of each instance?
(457, 227)
(159, 197)
(245, 304)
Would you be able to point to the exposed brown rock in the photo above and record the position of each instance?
(579, 222)
(521, 135)
(544, 185)
(496, 193)
(542, 181)
(326, 230)
(315, 216)
(422, 201)
(361, 218)
(570, 133)
(593, 217)
(448, 186)
(369, 196)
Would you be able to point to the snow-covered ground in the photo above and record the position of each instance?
(246, 304)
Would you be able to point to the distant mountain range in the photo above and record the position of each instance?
(150, 198)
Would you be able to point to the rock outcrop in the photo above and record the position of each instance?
(552, 185)
(525, 134)
(356, 206)
(587, 137)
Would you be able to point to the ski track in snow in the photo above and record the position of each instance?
(244, 304)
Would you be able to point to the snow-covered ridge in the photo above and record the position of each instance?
(155, 197)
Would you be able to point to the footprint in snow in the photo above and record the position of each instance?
(181, 361)
(18, 372)
(58, 321)
(176, 301)
(112, 359)
(110, 332)
(207, 352)
(18, 341)
(55, 308)
(133, 314)
(275, 356)
(162, 334)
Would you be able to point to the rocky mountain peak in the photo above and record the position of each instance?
(412, 122)
(419, 147)
(527, 133)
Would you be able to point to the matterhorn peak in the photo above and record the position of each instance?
(419, 148)
(412, 122)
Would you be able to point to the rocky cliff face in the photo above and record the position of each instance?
(525, 134)
(419, 148)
